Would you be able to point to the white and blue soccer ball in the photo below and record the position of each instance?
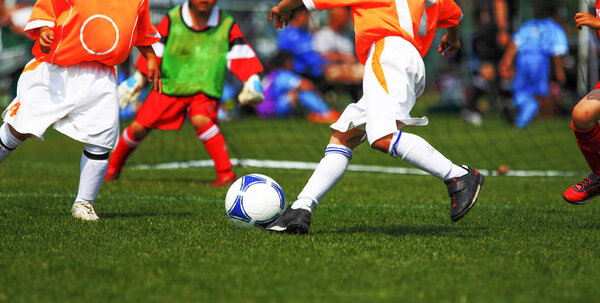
(254, 201)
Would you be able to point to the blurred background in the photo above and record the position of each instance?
(473, 118)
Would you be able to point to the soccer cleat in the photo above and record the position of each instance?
(225, 180)
(583, 191)
(84, 211)
(112, 173)
(463, 192)
(292, 221)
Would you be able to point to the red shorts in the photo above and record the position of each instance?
(167, 112)
(597, 85)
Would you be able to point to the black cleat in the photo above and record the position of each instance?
(463, 192)
(292, 221)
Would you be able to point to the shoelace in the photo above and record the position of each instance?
(585, 183)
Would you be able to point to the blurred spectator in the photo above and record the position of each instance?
(297, 40)
(342, 66)
(534, 43)
(15, 47)
(286, 90)
(491, 38)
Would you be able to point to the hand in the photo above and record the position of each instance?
(448, 47)
(586, 19)
(252, 92)
(46, 39)
(130, 89)
(505, 69)
(154, 73)
(280, 16)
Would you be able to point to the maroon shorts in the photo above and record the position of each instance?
(167, 112)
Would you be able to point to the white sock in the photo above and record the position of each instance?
(8, 142)
(418, 152)
(329, 171)
(92, 171)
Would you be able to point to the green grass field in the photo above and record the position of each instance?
(164, 236)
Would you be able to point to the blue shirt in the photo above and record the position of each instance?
(544, 37)
(300, 43)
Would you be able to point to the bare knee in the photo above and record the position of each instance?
(18, 135)
(351, 139)
(383, 144)
(199, 121)
(139, 131)
(584, 117)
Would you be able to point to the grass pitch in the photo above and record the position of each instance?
(164, 236)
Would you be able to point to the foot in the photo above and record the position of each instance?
(292, 221)
(84, 211)
(112, 173)
(463, 192)
(583, 191)
(225, 180)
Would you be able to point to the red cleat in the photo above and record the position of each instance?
(583, 191)
(225, 180)
(112, 174)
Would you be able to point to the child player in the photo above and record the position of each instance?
(71, 82)
(391, 38)
(199, 42)
(585, 126)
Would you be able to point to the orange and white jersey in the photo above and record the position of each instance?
(102, 31)
(413, 20)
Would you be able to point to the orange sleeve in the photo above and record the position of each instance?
(146, 33)
(450, 14)
(312, 5)
(43, 14)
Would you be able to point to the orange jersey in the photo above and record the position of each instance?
(84, 30)
(413, 20)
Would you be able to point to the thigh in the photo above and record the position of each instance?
(203, 105)
(162, 112)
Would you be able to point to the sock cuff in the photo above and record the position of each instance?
(7, 139)
(593, 131)
(339, 149)
(207, 132)
(393, 149)
(129, 138)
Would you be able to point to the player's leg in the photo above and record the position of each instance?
(527, 107)
(94, 163)
(130, 139)
(394, 78)
(463, 182)
(10, 139)
(296, 218)
(587, 132)
(203, 118)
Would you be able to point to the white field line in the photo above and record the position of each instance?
(351, 167)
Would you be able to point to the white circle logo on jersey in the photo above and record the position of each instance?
(98, 34)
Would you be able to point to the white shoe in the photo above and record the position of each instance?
(84, 211)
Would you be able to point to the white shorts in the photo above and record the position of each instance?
(394, 78)
(81, 101)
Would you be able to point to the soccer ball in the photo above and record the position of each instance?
(254, 201)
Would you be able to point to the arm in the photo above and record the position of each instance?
(559, 69)
(153, 67)
(505, 65)
(450, 44)
(501, 18)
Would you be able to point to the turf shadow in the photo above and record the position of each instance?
(404, 230)
(139, 215)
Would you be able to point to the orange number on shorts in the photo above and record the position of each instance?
(13, 109)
